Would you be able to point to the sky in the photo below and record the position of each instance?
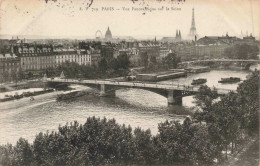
(79, 19)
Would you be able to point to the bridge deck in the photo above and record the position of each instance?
(223, 60)
(137, 84)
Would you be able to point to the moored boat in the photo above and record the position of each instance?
(199, 81)
(229, 80)
(71, 95)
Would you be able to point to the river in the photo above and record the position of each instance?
(135, 107)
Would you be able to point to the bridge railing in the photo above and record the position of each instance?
(222, 60)
(141, 84)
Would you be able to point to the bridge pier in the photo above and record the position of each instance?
(106, 91)
(174, 97)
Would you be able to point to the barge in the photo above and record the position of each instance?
(229, 80)
(199, 81)
(70, 95)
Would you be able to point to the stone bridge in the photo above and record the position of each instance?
(173, 92)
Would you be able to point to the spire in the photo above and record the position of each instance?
(193, 27)
(177, 33)
(180, 34)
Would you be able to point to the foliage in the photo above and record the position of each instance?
(187, 143)
(114, 68)
(242, 51)
(103, 66)
(123, 61)
(104, 142)
(233, 116)
(171, 61)
(152, 64)
(248, 97)
(144, 59)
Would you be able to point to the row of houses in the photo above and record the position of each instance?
(208, 47)
(135, 50)
(31, 59)
(34, 57)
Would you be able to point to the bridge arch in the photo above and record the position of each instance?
(173, 93)
(173, 96)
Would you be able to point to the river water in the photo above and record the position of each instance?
(135, 107)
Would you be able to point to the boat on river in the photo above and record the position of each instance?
(199, 81)
(229, 80)
(71, 95)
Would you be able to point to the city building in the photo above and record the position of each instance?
(152, 49)
(164, 51)
(108, 50)
(9, 67)
(35, 58)
(80, 56)
(177, 38)
(249, 39)
(132, 54)
(209, 47)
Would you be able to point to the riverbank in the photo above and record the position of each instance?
(24, 84)
(23, 93)
(19, 103)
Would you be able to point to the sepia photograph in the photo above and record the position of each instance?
(129, 82)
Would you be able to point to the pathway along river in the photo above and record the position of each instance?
(135, 107)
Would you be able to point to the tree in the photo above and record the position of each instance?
(204, 100)
(144, 59)
(242, 51)
(24, 153)
(171, 61)
(20, 74)
(123, 61)
(114, 64)
(187, 143)
(228, 52)
(248, 99)
(103, 66)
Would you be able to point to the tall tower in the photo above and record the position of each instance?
(193, 31)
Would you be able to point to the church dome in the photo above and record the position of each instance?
(108, 35)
